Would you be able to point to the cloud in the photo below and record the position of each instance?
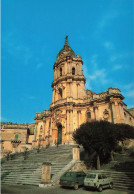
(93, 61)
(97, 74)
(117, 67)
(88, 84)
(3, 119)
(108, 45)
(129, 91)
(129, 86)
(113, 58)
(106, 19)
(31, 97)
(130, 106)
(130, 94)
(16, 48)
(27, 56)
(39, 65)
(121, 56)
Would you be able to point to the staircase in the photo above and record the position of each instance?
(121, 171)
(27, 169)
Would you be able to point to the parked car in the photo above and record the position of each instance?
(97, 181)
(73, 179)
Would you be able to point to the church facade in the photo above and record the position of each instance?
(72, 105)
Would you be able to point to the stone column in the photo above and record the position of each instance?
(56, 76)
(78, 118)
(46, 173)
(76, 152)
(95, 112)
(67, 121)
(67, 68)
(77, 90)
(53, 95)
(34, 144)
(71, 88)
(121, 112)
(80, 69)
(113, 113)
(71, 68)
(77, 69)
(71, 120)
(67, 89)
(35, 129)
(44, 128)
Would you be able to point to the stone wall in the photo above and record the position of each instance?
(131, 110)
(9, 134)
(80, 166)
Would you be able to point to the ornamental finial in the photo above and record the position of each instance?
(66, 40)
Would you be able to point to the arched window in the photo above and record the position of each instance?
(60, 71)
(88, 115)
(60, 93)
(73, 71)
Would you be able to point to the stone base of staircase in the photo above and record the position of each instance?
(27, 169)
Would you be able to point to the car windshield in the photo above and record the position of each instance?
(69, 174)
(91, 176)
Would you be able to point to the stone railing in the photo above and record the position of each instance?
(114, 91)
(39, 115)
(63, 100)
(110, 91)
(100, 95)
(14, 127)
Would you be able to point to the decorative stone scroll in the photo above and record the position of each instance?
(106, 114)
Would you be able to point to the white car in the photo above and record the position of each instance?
(97, 181)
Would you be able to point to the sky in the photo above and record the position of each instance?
(32, 34)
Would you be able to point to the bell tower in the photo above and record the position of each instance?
(69, 81)
(68, 90)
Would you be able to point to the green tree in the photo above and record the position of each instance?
(123, 132)
(102, 137)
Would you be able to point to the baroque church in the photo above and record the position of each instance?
(72, 105)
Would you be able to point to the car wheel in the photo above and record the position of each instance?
(100, 188)
(111, 185)
(76, 186)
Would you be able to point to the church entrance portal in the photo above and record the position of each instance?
(59, 134)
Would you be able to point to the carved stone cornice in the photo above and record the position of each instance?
(54, 129)
(65, 78)
(69, 133)
(57, 63)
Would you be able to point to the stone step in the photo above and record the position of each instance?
(123, 187)
(125, 182)
(32, 165)
(29, 171)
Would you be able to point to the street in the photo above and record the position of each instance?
(28, 189)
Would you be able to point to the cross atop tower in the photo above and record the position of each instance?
(66, 40)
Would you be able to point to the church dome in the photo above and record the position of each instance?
(66, 51)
